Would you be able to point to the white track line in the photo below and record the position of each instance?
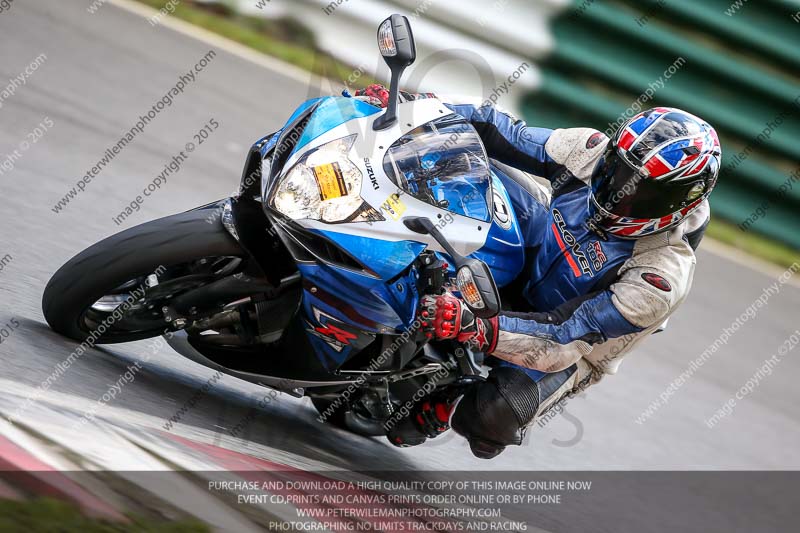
(49, 402)
(268, 62)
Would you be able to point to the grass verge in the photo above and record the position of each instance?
(757, 245)
(282, 38)
(46, 514)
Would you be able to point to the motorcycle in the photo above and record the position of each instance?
(308, 279)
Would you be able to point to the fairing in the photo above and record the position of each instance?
(347, 304)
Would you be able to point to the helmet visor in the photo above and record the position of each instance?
(622, 190)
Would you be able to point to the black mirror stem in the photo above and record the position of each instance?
(424, 225)
(389, 118)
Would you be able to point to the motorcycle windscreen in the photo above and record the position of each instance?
(443, 163)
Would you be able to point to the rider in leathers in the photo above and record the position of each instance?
(609, 253)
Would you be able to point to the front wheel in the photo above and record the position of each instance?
(119, 289)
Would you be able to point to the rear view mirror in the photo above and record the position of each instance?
(477, 287)
(396, 43)
(473, 277)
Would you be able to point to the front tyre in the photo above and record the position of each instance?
(118, 288)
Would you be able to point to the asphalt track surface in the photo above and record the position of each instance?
(104, 70)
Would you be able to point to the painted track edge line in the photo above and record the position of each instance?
(201, 34)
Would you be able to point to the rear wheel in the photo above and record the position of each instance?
(121, 287)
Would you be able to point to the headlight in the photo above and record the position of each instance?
(324, 185)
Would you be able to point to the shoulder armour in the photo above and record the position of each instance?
(577, 149)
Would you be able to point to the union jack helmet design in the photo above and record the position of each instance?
(657, 169)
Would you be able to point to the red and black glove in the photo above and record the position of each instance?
(378, 95)
(446, 317)
(428, 419)
(433, 415)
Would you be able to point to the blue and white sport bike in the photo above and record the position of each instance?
(308, 280)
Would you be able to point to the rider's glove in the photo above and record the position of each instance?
(428, 419)
(446, 317)
(378, 95)
(375, 94)
(433, 415)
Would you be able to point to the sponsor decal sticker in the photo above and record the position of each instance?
(394, 206)
(502, 213)
(328, 330)
(330, 180)
(371, 173)
(570, 246)
(596, 255)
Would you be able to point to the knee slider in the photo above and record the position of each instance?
(492, 414)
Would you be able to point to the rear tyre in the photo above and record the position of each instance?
(84, 292)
